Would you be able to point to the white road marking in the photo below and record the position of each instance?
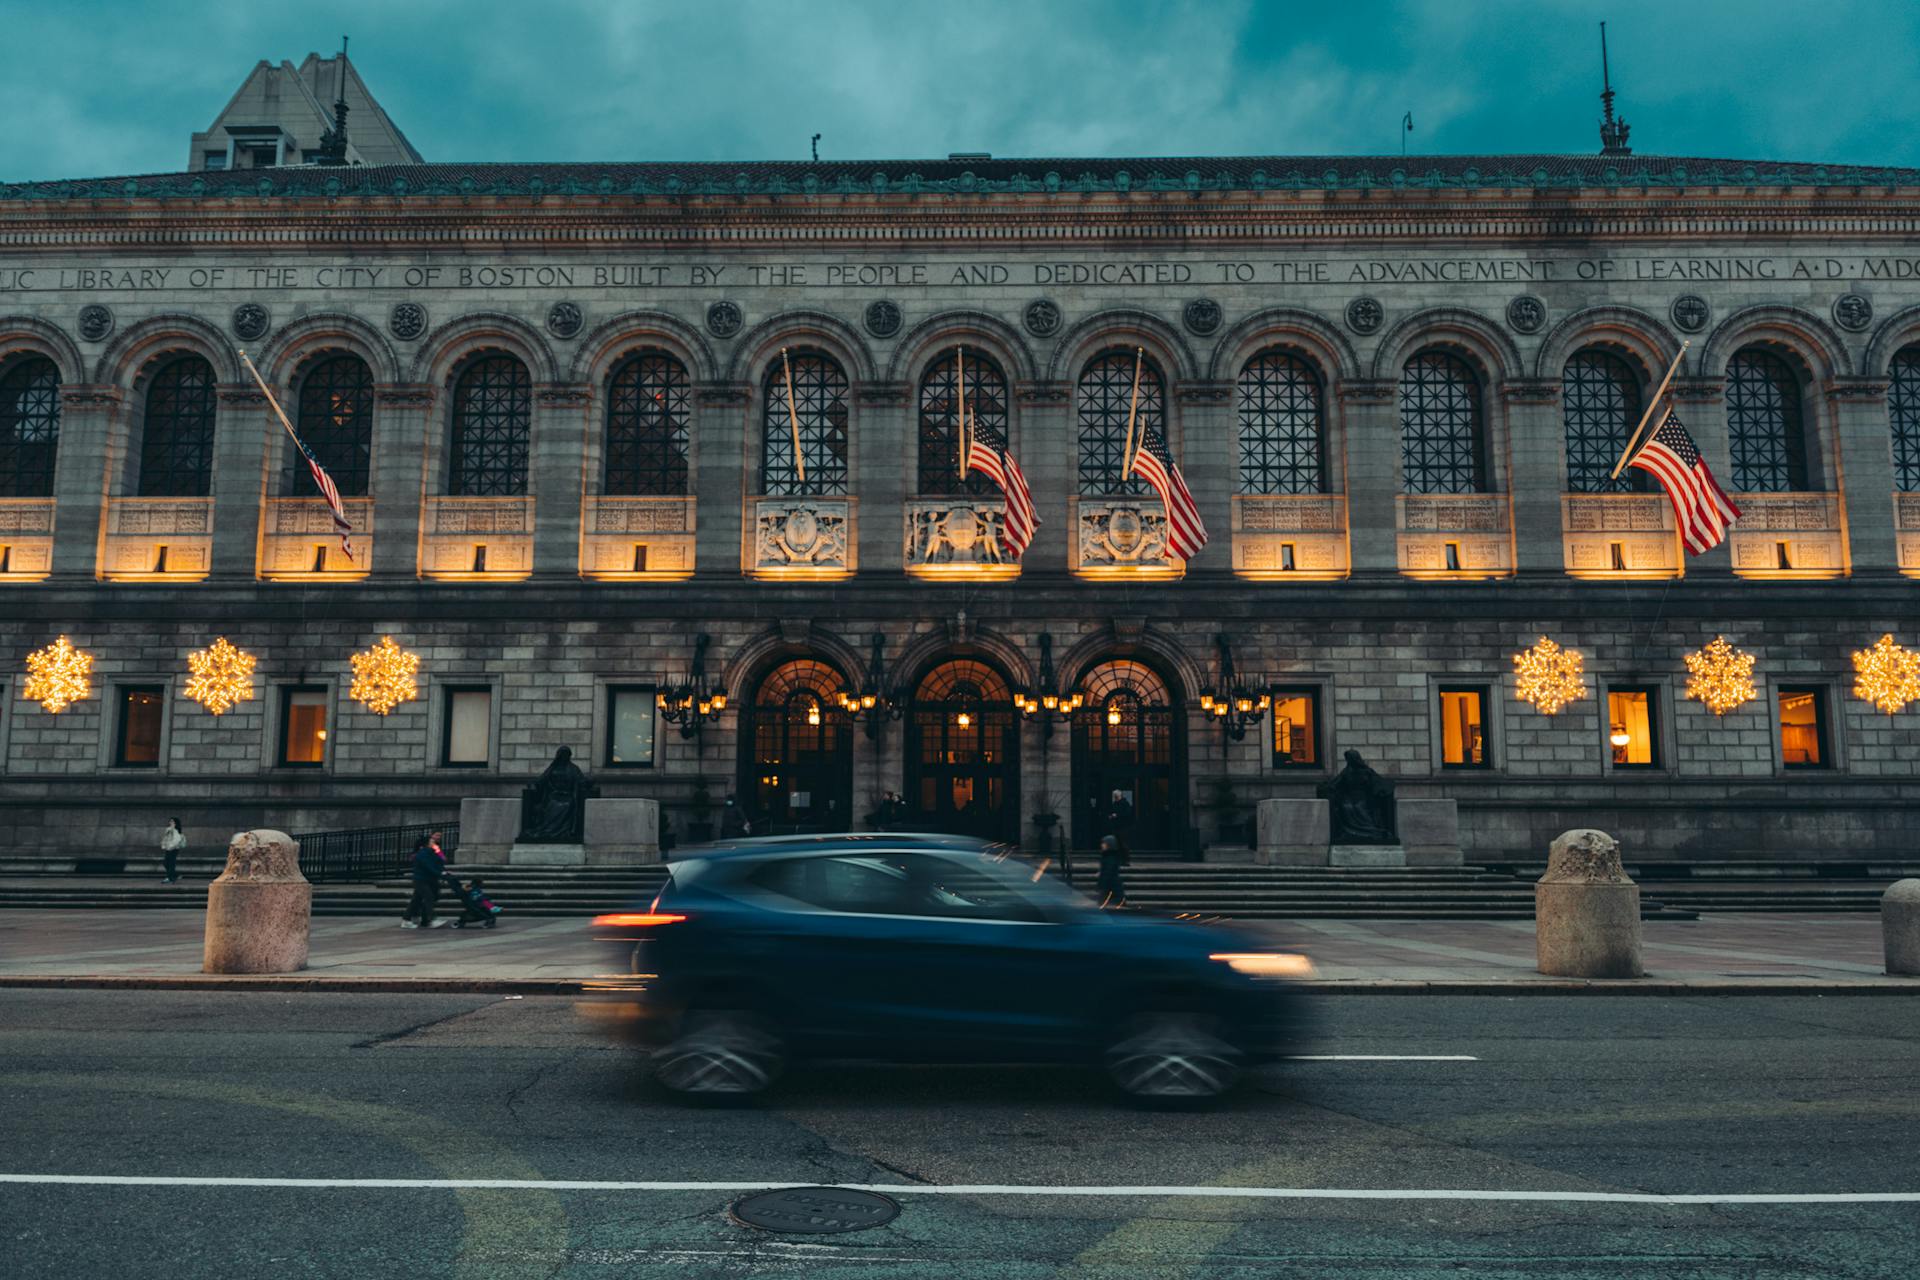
(1381, 1057)
(987, 1189)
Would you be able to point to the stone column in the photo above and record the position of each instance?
(1700, 404)
(1048, 452)
(562, 418)
(403, 418)
(259, 910)
(1208, 455)
(725, 471)
(240, 479)
(1586, 910)
(93, 429)
(1900, 927)
(1370, 431)
(885, 449)
(1536, 473)
(1857, 408)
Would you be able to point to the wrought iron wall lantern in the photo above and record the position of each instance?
(1239, 703)
(874, 702)
(1046, 702)
(691, 702)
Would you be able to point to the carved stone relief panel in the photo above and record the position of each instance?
(631, 537)
(1118, 536)
(957, 535)
(1278, 536)
(1787, 534)
(298, 538)
(800, 536)
(1627, 535)
(1448, 535)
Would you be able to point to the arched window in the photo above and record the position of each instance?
(492, 421)
(818, 418)
(1600, 399)
(335, 420)
(1105, 395)
(1764, 424)
(1903, 410)
(1442, 447)
(647, 426)
(29, 427)
(1280, 441)
(176, 435)
(986, 389)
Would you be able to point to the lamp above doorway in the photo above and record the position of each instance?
(691, 702)
(1046, 701)
(874, 702)
(1239, 703)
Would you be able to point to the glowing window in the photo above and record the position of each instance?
(1463, 728)
(303, 732)
(1296, 728)
(137, 739)
(1803, 728)
(1633, 737)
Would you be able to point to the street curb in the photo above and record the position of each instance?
(577, 986)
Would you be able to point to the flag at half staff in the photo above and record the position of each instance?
(1701, 507)
(1152, 462)
(988, 454)
(321, 480)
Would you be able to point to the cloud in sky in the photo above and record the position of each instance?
(102, 87)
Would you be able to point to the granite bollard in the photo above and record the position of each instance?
(260, 908)
(1586, 910)
(1900, 927)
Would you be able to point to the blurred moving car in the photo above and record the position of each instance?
(935, 948)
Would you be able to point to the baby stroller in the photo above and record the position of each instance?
(476, 907)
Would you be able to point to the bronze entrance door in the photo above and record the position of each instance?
(1125, 739)
(796, 757)
(963, 753)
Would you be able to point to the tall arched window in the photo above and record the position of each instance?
(1105, 394)
(1442, 428)
(986, 389)
(1764, 424)
(1280, 433)
(492, 422)
(335, 420)
(29, 427)
(176, 434)
(818, 418)
(647, 426)
(1600, 398)
(1903, 412)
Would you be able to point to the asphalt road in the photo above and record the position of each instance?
(1568, 1097)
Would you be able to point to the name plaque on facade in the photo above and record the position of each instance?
(157, 538)
(957, 537)
(1788, 535)
(1122, 538)
(1618, 535)
(800, 537)
(298, 541)
(1290, 536)
(26, 539)
(636, 538)
(477, 538)
(1906, 522)
(1454, 535)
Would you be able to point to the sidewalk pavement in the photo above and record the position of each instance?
(1718, 954)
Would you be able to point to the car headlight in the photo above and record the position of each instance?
(1266, 964)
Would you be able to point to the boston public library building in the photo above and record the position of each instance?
(663, 463)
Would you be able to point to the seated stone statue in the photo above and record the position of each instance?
(1361, 808)
(554, 809)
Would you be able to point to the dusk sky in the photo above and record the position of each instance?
(96, 89)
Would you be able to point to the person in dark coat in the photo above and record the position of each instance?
(733, 821)
(1110, 888)
(429, 869)
(1119, 816)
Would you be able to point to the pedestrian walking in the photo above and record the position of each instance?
(1111, 889)
(172, 841)
(429, 869)
(734, 822)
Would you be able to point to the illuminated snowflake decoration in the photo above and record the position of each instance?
(1720, 677)
(58, 676)
(1548, 676)
(222, 676)
(1887, 675)
(384, 677)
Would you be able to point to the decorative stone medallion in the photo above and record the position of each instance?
(1526, 313)
(723, 319)
(250, 321)
(1690, 313)
(1042, 318)
(1364, 315)
(564, 319)
(1201, 316)
(1852, 311)
(883, 318)
(96, 322)
(407, 321)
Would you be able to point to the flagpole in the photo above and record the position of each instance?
(793, 420)
(1133, 409)
(264, 390)
(960, 357)
(1652, 404)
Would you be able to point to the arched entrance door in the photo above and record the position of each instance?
(1126, 739)
(963, 752)
(796, 751)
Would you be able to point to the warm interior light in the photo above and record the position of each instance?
(1278, 964)
(636, 919)
(813, 714)
(963, 720)
(320, 734)
(867, 700)
(719, 701)
(706, 708)
(1243, 705)
(1049, 700)
(1206, 700)
(1620, 737)
(1113, 714)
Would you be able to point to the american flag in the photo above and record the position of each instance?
(1703, 509)
(331, 492)
(1186, 532)
(985, 453)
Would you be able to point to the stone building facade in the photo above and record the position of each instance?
(563, 403)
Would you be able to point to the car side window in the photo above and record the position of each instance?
(906, 884)
(867, 886)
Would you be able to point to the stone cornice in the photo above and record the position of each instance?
(404, 396)
(1368, 390)
(80, 395)
(1871, 390)
(1530, 390)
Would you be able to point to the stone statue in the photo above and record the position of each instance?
(1361, 805)
(554, 809)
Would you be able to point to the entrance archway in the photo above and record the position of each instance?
(1127, 737)
(796, 750)
(963, 752)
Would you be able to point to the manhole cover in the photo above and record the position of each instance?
(814, 1210)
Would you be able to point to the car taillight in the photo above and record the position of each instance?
(1266, 964)
(636, 919)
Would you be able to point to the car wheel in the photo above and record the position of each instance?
(721, 1053)
(1173, 1057)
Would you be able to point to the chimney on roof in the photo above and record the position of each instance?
(1613, 133)
(333, 143)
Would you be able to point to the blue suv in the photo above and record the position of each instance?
(933, 948)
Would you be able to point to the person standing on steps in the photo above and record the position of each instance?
(172, 841)
(1110, 888)
(429, 869)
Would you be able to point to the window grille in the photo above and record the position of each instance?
(939, 425)
(1600, 398)
(1442, 428)
(492, 422)
(647, 426)
(1903, 410)
(176, 438)
(820, 406)
(1764, 424)
(1106, 392)
(335, 419)
(1280, 426)
(29, 427)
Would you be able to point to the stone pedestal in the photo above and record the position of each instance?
(546, 855)
(1586, 910)
(1429, 831)
(258, 910)
(622, 833)
(1291, 833)
(1900, 927)
(487, 828)
(1366, 855)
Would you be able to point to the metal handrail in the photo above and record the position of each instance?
(368, 853)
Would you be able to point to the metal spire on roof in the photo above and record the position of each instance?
(333, 143)
(1613, 133)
